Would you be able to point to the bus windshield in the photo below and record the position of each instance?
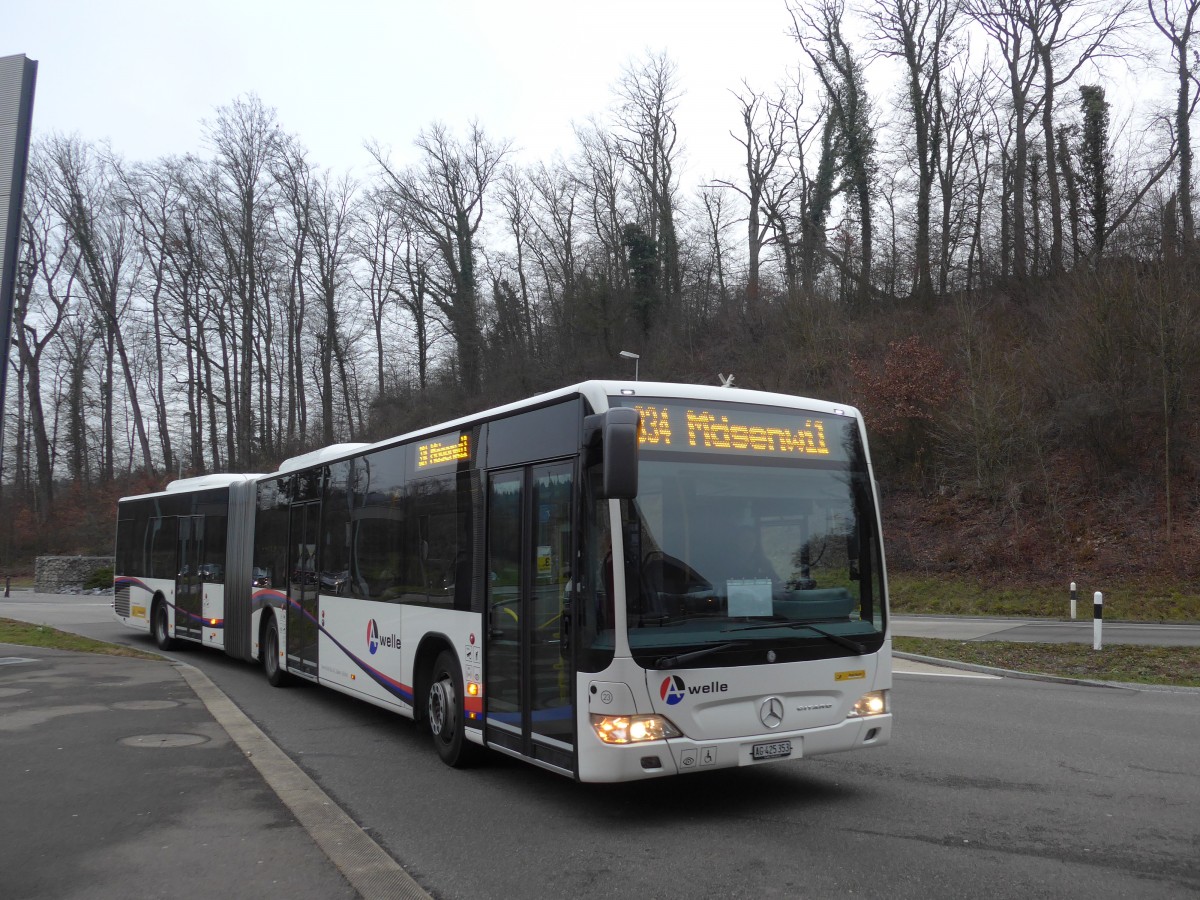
(731, 555)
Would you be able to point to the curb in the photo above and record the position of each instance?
(363, 863)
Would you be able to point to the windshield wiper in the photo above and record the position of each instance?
(838, 639)
(670, 662)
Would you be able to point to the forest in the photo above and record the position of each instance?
(990, 257)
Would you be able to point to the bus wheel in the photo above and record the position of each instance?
(161, 627)
(445, 712)
(276, 674)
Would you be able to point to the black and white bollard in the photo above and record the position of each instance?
(1097, 619)
(1072, 601)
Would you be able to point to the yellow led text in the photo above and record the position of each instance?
(437, 453)
(656, 426)
(706, 430)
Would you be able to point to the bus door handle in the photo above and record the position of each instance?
(564, 629)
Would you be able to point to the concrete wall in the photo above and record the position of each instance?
(54, 573)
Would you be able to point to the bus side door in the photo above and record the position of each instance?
(529, 688)
(189, 587)
(303, 587)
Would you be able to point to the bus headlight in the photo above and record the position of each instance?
(874, 703)
(633, 729)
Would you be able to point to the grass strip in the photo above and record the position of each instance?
(28, 635)
(1132, 663)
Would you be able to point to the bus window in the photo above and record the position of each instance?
(335, 532)
(125, 545)
(163, 539)
(271, 535)
(377, 526)
(593, 606)
(212, 570)
(378, 539)
(435, 512)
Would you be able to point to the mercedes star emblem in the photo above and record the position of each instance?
(771, 712)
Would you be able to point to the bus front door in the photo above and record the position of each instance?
(189, 587)
(303, 587)
(529, 691)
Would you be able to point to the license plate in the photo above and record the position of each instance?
(773, 750)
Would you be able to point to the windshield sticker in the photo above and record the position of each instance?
(749, 597)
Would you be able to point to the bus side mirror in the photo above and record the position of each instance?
(617, 433)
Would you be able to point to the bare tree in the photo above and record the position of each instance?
(378, 242)
(191, 313)
(596, 310)
(1006, 23)
(516, 199)
(79, 338)
(38, 315)
(917, 32)
(294, 175)
(647, 139)
(240, 199)
(763, 138)
(1176, 20)
(840, 70)
(332, 218)
(1066, 35)
(155, 198)
(963, 164)
(557, 203)
(798, 202)
(85, 198)
(716, 221)
(416, 298)
(601, 173)
(443, 195)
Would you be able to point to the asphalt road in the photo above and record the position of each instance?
(991, 787)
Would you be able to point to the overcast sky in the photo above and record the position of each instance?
(143, 74)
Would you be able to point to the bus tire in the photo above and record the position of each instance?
(277, 676)
(444, 713)
(160, 627)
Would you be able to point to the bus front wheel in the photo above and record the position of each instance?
(276, 675)
(445, 713)
(162, 627)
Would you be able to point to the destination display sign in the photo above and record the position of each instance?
(727, 428)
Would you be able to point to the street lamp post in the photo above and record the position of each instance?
(628, 355)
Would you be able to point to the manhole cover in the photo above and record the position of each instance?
(146, 704)
(163, 740)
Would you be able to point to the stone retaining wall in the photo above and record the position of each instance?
(54, 573)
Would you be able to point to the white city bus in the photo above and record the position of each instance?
(613, 581)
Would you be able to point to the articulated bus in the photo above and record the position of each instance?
(613, 581)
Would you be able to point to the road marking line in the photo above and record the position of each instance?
(948, 674)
